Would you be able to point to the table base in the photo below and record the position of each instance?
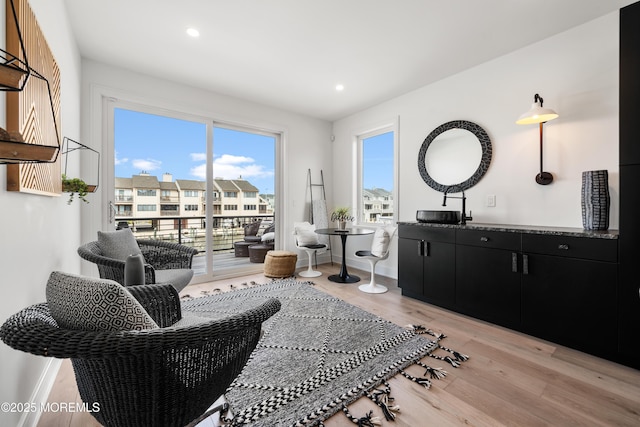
(349, 278)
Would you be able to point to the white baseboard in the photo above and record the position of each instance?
(41, 392)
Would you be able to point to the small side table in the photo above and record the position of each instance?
(344, 276)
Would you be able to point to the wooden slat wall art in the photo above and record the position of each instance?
(29, 111)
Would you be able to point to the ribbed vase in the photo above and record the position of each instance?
(595, 200)
(134, 270)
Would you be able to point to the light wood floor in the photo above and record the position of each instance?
(511, 379)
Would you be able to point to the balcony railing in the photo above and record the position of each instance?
(191, 231)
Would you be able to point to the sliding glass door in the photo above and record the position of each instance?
(188, 180)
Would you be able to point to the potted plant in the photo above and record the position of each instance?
(73, 186)
(341, 215)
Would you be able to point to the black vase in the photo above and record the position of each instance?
(134, 270)
(595, 200)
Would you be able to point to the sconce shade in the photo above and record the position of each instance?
(537, 113)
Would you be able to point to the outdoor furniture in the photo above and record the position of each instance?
(379, 251)
(251, 232)
(165, 262)
(133, 353)
(280, 264)
(241, 249)
(257, 253)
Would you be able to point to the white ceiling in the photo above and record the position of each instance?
(290, 54)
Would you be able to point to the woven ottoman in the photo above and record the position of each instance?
(257, 253)
(241, 249)
(280, 264)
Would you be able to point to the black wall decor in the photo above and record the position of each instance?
(484, 141)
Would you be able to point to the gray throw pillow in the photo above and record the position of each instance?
(89, 304)
(118, 244)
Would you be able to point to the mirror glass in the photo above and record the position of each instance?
(455, 154)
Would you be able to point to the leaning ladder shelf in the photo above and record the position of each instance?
(321, 207)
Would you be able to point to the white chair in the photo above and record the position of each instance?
(379, 252)
(307, 240)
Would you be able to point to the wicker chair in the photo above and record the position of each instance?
(165, 262)
(167, 376)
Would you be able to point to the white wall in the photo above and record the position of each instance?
(576, 73)
(40, 234)
(307, 142)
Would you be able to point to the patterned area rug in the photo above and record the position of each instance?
(318, 354)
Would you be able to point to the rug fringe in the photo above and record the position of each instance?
(382, 397)
(367, 421)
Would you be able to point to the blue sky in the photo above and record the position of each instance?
(158, 144)
(378, 160)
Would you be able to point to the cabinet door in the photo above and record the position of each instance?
(488, 284)
(571, 301)
(439, 273)
(410, 267)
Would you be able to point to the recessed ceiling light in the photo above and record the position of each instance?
(193, 32)
(339, 87)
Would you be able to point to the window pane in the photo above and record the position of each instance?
(377, 179)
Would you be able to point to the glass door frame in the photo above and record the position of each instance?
(109, 104)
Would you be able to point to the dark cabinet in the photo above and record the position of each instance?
(426, 264)
(570, 296)
(488, 276)
(629, 88)
(562, 287)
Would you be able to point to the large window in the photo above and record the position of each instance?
(376, 177)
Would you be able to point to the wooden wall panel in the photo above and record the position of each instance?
(30, 111)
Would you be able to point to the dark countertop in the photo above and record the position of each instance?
(532, 229)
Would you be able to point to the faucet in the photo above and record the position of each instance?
(463, 217)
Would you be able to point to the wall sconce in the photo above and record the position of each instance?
(539, 114)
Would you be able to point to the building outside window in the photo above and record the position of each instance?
(250, 207)
(230, 194)
(146, 208)
(190, 207)
(191, 193)
(146, 192)
(376, 181)
(230, 207)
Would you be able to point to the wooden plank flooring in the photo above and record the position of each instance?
(511, 379)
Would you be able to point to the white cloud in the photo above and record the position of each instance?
(119, 161)
(229, 166)
(198, 157)
(147, 164)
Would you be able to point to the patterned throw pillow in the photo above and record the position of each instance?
(118, 244)
(89, 304)
(380, 243)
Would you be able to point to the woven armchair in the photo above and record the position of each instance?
(160, 257)
(166, 376)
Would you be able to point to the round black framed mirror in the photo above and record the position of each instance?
(456, 154)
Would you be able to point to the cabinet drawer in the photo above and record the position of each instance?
(572, 247)
(489, 239)
(433, 234)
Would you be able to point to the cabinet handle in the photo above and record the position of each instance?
(514, 262)
(525, 264)
(563, 247)
(484, 239)
(427, 249)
